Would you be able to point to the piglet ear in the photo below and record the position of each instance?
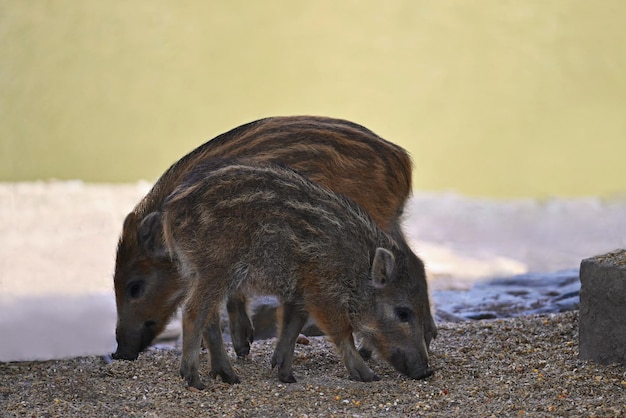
(150, 235)
(383, 267)
(130, 222)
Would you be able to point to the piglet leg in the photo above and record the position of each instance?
(293, 319)
(352, 359)
(241, 329)
(220, 365)
(336, 324)
(192, 340)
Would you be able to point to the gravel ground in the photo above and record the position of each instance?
(525, 366)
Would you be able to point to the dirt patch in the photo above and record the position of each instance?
(516, 367)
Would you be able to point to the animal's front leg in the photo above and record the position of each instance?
(192, 340)
(293, 319)
(353, 360)
(336, 324)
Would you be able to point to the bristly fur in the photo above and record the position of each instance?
(342, 156)
(236, 226)
(321, 148)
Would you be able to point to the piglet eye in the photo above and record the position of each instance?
(403, 314)
(135, 289)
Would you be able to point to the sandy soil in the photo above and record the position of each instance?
(518, 367)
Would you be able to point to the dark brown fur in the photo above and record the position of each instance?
(343, 156)
(234, 227)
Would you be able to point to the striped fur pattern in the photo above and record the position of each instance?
(343, 156)
(266, 229)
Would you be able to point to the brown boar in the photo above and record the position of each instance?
(343, 156)
(266, 229)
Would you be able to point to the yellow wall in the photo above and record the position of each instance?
(492, 97)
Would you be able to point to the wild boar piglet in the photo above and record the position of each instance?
(343, 156)
(235, 227)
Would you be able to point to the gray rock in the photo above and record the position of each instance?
(602, 334)
(525, 294)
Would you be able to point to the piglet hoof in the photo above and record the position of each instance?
(365, 376)
(243, 351)
(194, 382)
(373, 378)
(192, 379)
(229, 378)
(242, 341)
(275, 362)
(288, 378)
(285, 376)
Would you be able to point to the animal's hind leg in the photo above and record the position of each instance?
(293, 319)
(220, 365)
(241, 329)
